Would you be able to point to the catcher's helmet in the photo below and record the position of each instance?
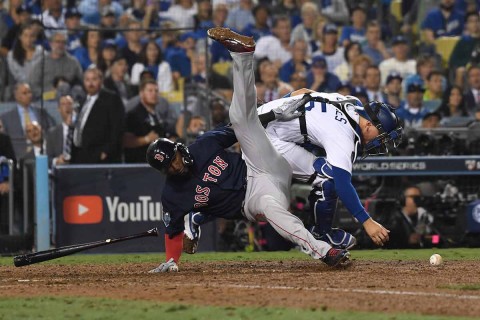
(162, 151)
(383, 117)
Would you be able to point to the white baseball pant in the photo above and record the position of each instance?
(269, 174)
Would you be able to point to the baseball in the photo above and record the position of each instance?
(173, 268)
(436, 259)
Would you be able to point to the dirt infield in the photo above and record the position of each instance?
(364, 286)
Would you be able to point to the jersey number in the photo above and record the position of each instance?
(338, 113)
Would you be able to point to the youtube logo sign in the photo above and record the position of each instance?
(83, 209)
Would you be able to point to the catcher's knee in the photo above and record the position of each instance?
(323, 199)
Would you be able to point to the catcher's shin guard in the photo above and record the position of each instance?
(323, 204)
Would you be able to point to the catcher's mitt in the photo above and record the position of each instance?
(189, 245)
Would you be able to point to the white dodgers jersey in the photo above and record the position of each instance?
(327, 127)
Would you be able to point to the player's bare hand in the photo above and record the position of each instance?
(288, 110)
(376, 232)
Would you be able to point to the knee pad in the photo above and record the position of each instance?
(323, 204)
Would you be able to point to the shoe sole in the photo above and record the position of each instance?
(223, 34)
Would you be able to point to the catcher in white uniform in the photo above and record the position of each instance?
(345, 130)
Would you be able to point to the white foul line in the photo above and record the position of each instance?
(346, 290)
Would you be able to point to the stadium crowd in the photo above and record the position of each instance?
(120, 61)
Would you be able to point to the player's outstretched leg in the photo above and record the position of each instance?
(269, 173)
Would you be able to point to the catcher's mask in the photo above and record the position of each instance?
(161, 152)
(383, 117)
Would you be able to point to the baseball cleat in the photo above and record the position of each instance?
(337, 238)
(231, 40)
(336, 257)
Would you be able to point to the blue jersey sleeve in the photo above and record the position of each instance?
(347, 193)
(223, 136)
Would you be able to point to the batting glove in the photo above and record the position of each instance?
(288, 110)
(169, 266)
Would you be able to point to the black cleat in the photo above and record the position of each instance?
(335, 257)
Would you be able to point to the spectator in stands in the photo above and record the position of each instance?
(434, 90)
(216, 81)
(374, 46)
(453, 104)
(4, 19)
(276, 47)
(92, 9)
(99, 125)
(15, 120)
(118, 80)
(359, 69)
(181, 13)
(372, 84)
(108, 22)
(219, 114)
(270, 86)
(108, 52)
(87, 54)
(131, 50)
(298, 80)
(393, 89)
(287, 8)
(304, 30)
(345, 70)
(442, 21)
(400, 61)
(3, 79)
(329, 49)
(181, 54)
(219, 18)
(319, 79)
(355, 32)
(260, 27)
(165, 112)
(19, 16)
(57, 63)
(59, 138)
(52, 16)
(23, 54)
(204, 13)
(431, 120)
(72, 23)
(472, 96)
(239, 18)
(151, 58)
(360, 93)
(412, 111)
(144, 11)
(317, 33)
(144, 124)
(467, 49)
(298, 63)
(336, 11)
(425, 65)
(36, 146)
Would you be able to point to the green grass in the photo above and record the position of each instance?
(379, 254)
(89, 308)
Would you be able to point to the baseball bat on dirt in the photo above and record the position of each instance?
(31, 258)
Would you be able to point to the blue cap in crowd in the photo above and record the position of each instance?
(394, 75)
(330, 28)
(23, 8)
(319, 62)
(415, 87)
(72, 12)
(109, 43)
(358, 91)
(186, 35)
(399, 40)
